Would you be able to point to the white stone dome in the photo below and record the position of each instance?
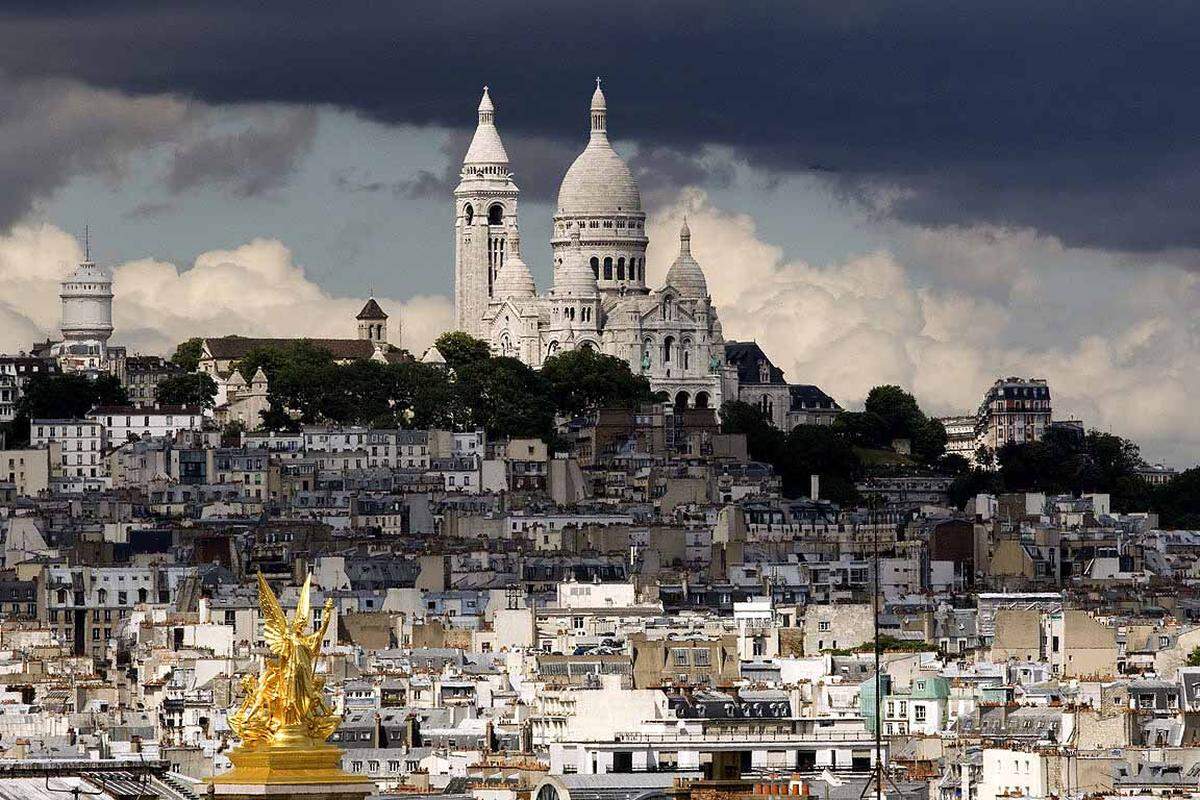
(599, 182)
(514, 278)
(685, 273)
(574, 278)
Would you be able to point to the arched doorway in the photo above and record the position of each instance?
(681, 401)
(701, 399)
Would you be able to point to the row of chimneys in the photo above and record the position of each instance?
(797, 788)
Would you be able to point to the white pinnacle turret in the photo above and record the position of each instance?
(486, 147)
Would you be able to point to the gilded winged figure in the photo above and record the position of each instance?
(285, 703)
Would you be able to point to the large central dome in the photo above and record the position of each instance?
(599, 182)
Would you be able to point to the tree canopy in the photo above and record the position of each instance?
(475, 389)
(891, 413)
(584, 380)
(67, 396)
(799, 454)
(188, 389)
(187, 354)
(461, 349)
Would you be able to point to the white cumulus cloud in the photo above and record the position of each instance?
(946, 312)
(255, 290)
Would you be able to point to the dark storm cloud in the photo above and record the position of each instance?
(1078, 118)
(251, 161)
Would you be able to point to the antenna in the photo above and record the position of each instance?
(87, 244)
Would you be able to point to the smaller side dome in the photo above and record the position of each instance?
(685, 273)
(514, 279)
(574, 278)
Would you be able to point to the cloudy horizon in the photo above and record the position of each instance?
(876, 195)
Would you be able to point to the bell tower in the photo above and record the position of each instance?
(485, 211)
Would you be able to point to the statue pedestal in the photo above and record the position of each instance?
(308, 773)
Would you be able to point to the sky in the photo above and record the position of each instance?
(934, 194)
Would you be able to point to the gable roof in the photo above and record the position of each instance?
(237, 347)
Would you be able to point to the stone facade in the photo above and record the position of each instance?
(599, 299)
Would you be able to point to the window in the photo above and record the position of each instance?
(679, 657)
(823, 625)
(919, 713)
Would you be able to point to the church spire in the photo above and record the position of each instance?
(487, 111)
(599, 112)
(486, 147)
(685, 238)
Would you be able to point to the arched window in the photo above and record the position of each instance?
(687, 354)
(496, 214)
(608, 269)
(681, 401)
(595, 266)
(667, 346)
(552, 348)
(620, 269)
(469, 212)
(648, 349)
(666, 307)
(701, 399)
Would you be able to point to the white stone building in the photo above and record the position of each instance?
(130, 422)
(80, 442)
(599, 298)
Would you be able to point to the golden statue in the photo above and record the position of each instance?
(284, 719)
(285, 704)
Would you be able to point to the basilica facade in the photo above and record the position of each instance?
(599, 298)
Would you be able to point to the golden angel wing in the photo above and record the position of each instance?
(303, 613)
(275, 625)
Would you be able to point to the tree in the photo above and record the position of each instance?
(188, 389)
(462, 349)
(897, 410)
(971, 483)
(69, 396)
(1178, 502)
(584, 380)
(231, 434)
(953, 464)
(1064, 461)
(985, 456)
(505, 397)
(818, 450)
(1193, 659)
(187, 354)
(300, 377)
(764, 441)
(862, 428)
